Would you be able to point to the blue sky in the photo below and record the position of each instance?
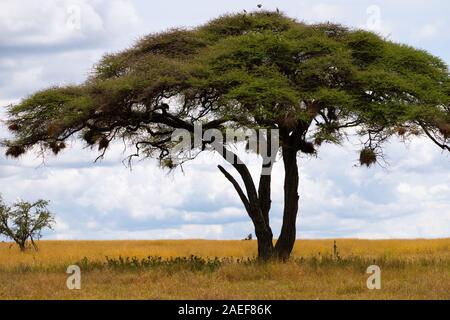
(42, 45)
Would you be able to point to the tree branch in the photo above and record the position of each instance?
(237, 187)
(441, 145)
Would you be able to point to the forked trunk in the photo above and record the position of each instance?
(258, 203)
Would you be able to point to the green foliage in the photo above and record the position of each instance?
(366, 48)
(170, 265)
(241, 24)
(49, 116)
(24, 221)
(247, 70)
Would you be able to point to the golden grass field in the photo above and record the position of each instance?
(411, 269)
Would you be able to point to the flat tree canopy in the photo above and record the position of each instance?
(314, 83)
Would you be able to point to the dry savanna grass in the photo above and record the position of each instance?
(411, 269)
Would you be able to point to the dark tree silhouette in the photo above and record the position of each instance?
(314, 83)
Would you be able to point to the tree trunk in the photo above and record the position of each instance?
(22, 246)
(286, 241)
(265, 241)
(260, 205)
(265, 238)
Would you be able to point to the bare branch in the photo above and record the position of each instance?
(428, 133)
(237, 187)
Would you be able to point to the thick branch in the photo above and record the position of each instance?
(245, 174)
(264, 191)
(237, 187)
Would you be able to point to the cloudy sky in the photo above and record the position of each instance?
(54, 42)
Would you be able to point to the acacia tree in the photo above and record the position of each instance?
(23, 222)
(315, 84)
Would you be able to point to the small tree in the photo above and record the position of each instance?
(23, 222)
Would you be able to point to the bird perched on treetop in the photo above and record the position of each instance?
(259, 6)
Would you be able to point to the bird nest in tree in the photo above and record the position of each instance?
(367, 157)
(14, 127)
(57, 147)
(15, 151)
(103, 143)
(444, 129)
(401, 131)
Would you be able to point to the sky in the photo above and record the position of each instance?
(56, 42)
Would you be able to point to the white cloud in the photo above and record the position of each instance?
(53, 23)
(320, 12)
(428, 31)
(39, 47)
(121, 15)
(431, 30)
(183, 232)
(45, 22)
(102, 201)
